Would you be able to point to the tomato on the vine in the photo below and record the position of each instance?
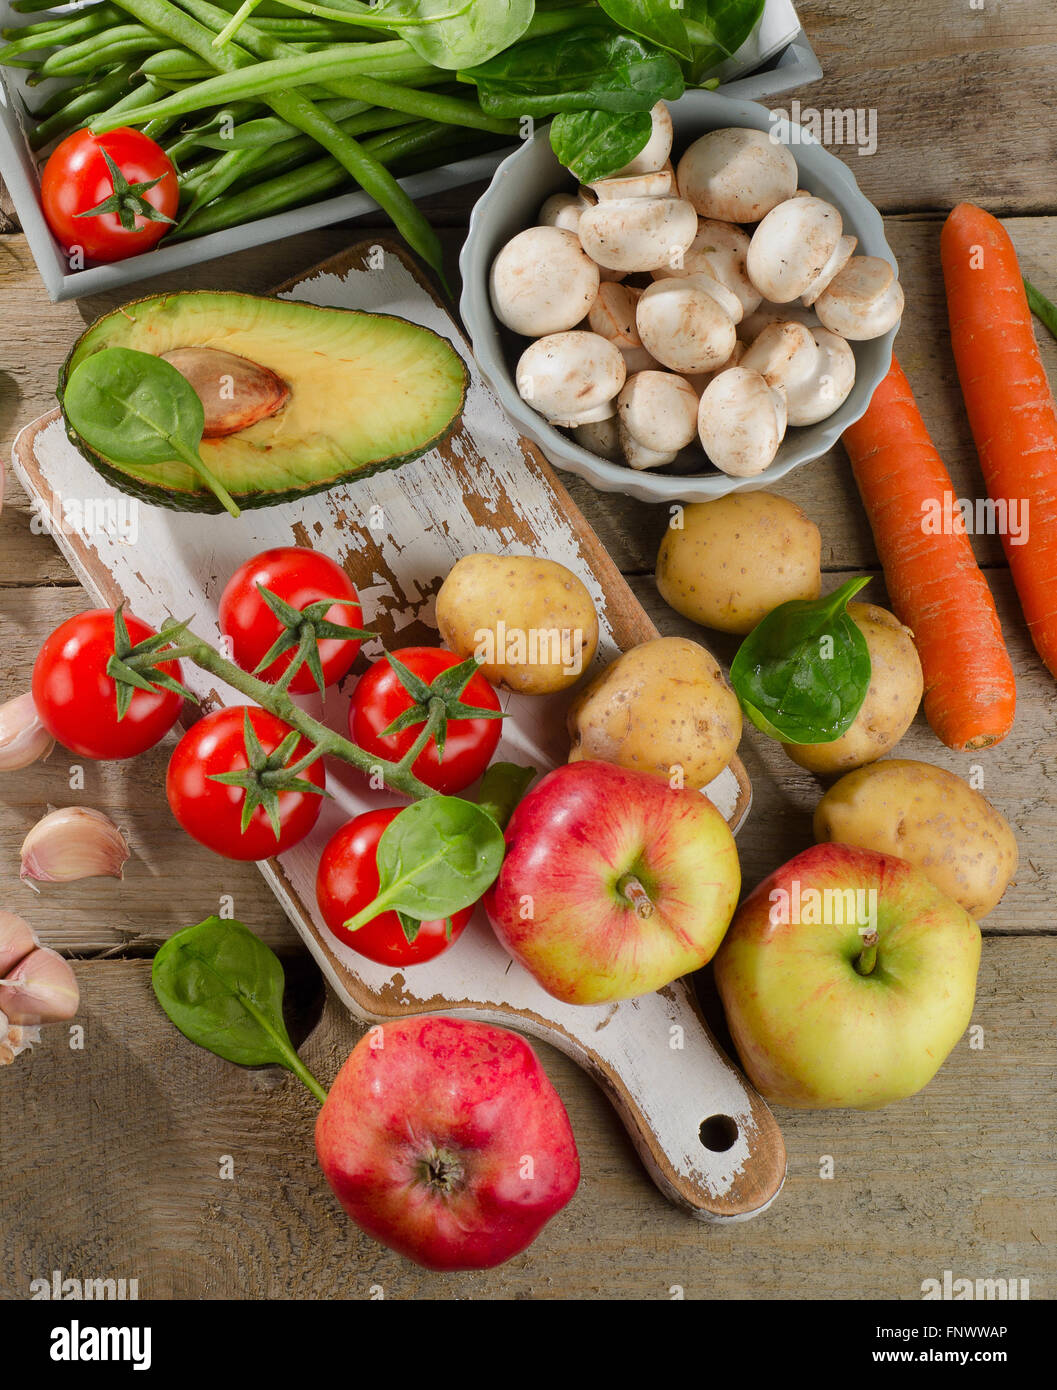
(382, 698)
(214, 812)
(347, 882)
(79, 702)
(112, 195)
(301, 579)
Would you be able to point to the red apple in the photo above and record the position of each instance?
(614, 884)
(821, 1016)
(444, 1139)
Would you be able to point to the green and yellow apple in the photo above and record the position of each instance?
(846, 978)
(614, 883)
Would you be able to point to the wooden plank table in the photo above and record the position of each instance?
(113, 1152)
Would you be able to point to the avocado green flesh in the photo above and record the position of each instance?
(367, 391)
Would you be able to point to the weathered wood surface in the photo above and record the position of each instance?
(113, 1160)
(961, 1177)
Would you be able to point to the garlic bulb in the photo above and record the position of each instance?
(23, 738)
(41, 988)
(17, 939)
(75, 842)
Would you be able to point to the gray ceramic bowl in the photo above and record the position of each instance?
(511, 203)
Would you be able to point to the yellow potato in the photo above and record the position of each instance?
(731, 561)
(532, 622)
(891, 701)
(663, 707)
(929, 817)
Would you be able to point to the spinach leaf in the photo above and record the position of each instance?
(660, 21)
(223, 988)
(584, 69)
(595, 144)
(717, 29)
(437, 857)
(463, 32)
(135, 408)
(803, 672)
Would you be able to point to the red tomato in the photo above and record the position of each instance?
(211, 812)
(77, 178)
(347, 881)
(300, 576)
(77, 700)
(379, 697)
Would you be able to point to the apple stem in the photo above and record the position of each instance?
(866, 961)
(629, 887)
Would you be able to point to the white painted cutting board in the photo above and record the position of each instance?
(398, 534)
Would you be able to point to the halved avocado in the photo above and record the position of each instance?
(363, 392)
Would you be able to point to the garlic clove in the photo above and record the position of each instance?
(15, 1038)
(71, 843)
(23, 738)
(17, 939)
(40, 989)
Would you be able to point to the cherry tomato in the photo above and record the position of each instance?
(347, 881)
(77, 700)
(379, 697)
(211, 812)
(299, 576)
(77, 178)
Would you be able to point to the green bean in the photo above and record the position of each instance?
(370, 173)
(174, 63)
(291, 152)
(56, 31)
(81, 108)
(55, 102)
(126, 40)
(308, 183)
(35, 6)
(264, 79)
(141, 95)
(222, 175)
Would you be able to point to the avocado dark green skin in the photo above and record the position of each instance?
(204, 501)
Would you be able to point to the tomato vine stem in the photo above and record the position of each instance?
(397, 777)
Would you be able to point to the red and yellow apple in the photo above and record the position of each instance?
(444, 1139)
(824, 1014)
(614, 883)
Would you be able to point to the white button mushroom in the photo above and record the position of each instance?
(683, 324)
(563, 210)
(864, 301)
(571, 378)
(792, 246)
(833, 267)
(636, 234)
(719, 250)
(654, 154)
(785, 354)
(659, 183)
(736, 175)
(613, 315)
(817, 397)
(543, 282)
(699, 380)
(752, 325)
(741, 421)
(601, 437)
(657, 412)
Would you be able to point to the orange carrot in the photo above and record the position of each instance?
(1009, 404)
(933, 580)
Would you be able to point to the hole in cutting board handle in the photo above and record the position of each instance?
(718, 1133)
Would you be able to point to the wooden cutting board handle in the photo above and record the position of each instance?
(706, 1137)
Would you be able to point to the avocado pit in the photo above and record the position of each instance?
(235, 392)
